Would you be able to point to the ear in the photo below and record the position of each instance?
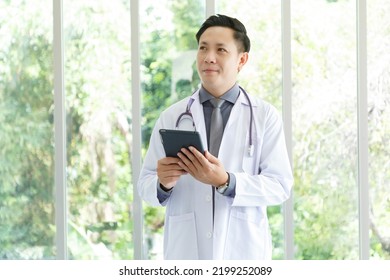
(242, 60)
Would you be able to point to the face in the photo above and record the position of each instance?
(219, 60)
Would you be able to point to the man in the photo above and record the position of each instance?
(216, 202)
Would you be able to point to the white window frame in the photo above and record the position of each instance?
(60, 126)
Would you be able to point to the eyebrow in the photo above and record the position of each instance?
(218, 44)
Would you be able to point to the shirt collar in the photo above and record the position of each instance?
(231, 95)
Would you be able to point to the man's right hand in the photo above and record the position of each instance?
(169, 171)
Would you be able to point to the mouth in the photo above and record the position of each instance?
(210, 71)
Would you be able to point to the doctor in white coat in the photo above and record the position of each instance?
(216, 207)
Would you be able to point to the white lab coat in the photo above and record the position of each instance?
(240, 229)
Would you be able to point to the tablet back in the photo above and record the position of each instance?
(173, 140)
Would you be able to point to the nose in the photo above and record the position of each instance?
(210, 57)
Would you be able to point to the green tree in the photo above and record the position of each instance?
(97, 80)
(26, 133)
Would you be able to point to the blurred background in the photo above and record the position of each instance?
(99, 137)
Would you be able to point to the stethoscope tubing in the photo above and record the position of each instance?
(188, 113)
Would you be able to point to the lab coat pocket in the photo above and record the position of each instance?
(182, 238)
(246, 229)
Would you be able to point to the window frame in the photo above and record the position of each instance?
(60, 125)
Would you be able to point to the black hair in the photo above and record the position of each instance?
(226, 21)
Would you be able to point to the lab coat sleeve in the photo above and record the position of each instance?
(273, 182)
(148, 180)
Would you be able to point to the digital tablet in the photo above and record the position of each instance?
(173, 140)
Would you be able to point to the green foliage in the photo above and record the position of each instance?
(160, 44)
(98, 110)
(99, 141)
(26, 135)
(186, 23)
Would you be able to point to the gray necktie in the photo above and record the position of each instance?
(216, 126)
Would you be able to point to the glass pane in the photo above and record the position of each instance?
(98, 99)
(325, 129)
(168, 51)
(27, 227)
(379, 127)
(262, 75)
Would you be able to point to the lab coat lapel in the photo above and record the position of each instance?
(238, 111)
(236, 129)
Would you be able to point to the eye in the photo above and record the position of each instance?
(202, 48)
(222, 50)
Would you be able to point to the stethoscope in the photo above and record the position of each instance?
(188, 114)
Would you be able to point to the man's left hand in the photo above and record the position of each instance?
(205, 168)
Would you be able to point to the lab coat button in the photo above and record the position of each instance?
(208, 198)
(209, 235)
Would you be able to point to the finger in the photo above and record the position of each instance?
(170, 177)
(185, 160)
(185, 168)
(189, 156)
(172, 173)
(199, 156)
(167, 168)
(211, 158)
(175, 166)
(169, 160)
(163, 168)
(188, 165)
(197, 159)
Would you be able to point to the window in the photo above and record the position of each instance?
(378, 29)
(325, 129)
(99, 90)
(27, 226)
(98, 100)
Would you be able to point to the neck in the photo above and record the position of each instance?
(218, 91)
